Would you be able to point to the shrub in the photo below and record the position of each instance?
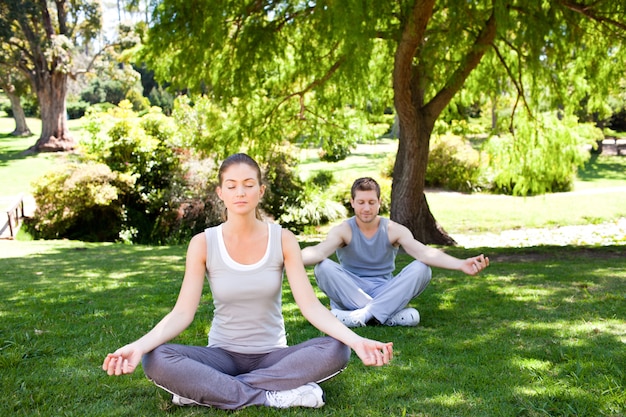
(141, 147)
(139, 102)
(285, 190)
(316, 209)
(452, 164)
(160, 97)
(193, 204)
(81, 201)
(29, 105)
(93, 93)
(334, 150)
(76, 109)
(541, 157)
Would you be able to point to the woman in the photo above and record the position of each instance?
(247, 361)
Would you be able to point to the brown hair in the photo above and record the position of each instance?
(365, 184)
(240, 158)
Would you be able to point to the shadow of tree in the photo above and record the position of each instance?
(531, 336)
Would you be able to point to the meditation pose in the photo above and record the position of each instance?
(361, 287)
(247, 360)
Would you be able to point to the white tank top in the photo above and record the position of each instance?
(247, 298)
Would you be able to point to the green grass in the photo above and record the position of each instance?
(541, 333)
(18, 171)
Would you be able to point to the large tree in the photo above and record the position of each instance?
(291, 69)
(43, 36)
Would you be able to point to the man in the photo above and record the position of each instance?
(361, 287)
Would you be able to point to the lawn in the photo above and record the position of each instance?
(541, 333)
(18, 170)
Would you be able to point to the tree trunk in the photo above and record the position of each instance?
(21, 128)
(55, 136)
(417, 120)
(408, 202)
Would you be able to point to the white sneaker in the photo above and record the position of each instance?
(309, 395)
(178, 400)
(404, 317)
(347, 318)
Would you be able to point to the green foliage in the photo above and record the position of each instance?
(160, 97)
(202, 125)
(81, 201)
(76, 109)
(296, 204)
(29, 105)
(316, 208)
(453, 164)
(335, 150)
(139, 102)
(110, 91)
(542, 155)
(322, 179)
(285, 190)
(142, 148)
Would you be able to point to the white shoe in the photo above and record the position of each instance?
(178, 400)
(404, 317)
(347, 318)
(309, 395)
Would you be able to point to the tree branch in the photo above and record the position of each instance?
(588, 10)
(471, 60)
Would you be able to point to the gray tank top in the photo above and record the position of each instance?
(247, 298)
(373, 257)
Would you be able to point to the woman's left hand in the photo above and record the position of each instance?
(373, 353)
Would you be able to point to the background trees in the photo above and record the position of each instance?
(296, 70)
(316, 72)
(43, 36)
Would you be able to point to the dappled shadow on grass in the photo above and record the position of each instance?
(8, 155)
(541, 332)
(63, 310)
(603, 168)
(531, 337)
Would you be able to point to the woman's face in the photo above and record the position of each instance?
(240, 189)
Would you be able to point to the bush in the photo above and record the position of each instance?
(29, 105)
(317, 208)
(285, 190)
(452, 164)
(111, 91)
(141, 147)
(334, 150)
(160, 97)
(76, 109)
(541, 157)
(82, 202)
(139, 102)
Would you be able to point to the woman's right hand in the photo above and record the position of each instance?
(122, 361)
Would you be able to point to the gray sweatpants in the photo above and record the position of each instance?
(216, 377)
(383, 297)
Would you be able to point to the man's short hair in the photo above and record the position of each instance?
(365, 184)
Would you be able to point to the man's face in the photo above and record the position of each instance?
(366, 205)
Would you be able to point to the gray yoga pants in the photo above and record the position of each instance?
(218, 378)
(383, 297)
